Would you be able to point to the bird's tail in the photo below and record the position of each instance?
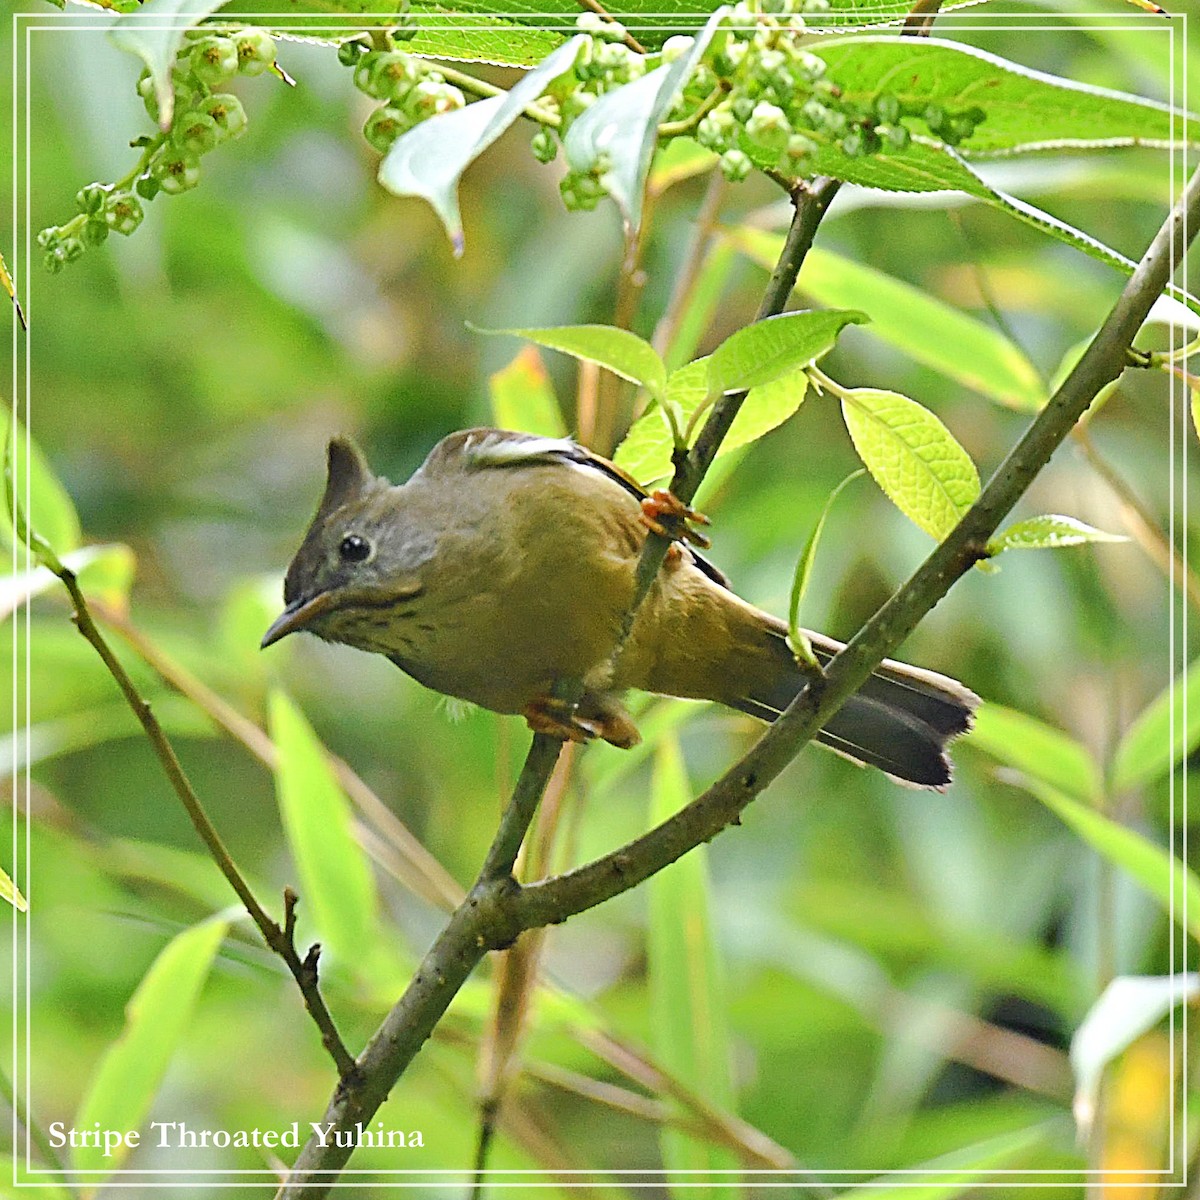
(901, 720)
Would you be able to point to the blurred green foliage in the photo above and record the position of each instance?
(901, 972)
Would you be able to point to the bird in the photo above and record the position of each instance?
(506, 565)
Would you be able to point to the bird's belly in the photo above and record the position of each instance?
(504, 648)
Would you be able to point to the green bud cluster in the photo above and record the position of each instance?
(203, 117)
(412, 91)
(757, 98)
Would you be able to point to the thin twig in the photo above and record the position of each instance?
(419, 871)
(304, 973)
(596, 7)
(1102, 362)
(668, 324)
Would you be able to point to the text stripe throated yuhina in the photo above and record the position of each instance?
(506, 563)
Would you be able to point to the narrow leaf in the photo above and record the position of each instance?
(957, 1173)
(156, 1019)
(797, 638)
(687, 998)
(10, 892)
(7, 283)
(523, 398)
(925, 328)
(429, 160)
(1159, 739)
(1050, 532)
(619, 133)
(619, 350)
(337, 889)
(927, 166)
(913, 457)
(154, 32)
(1172, 884)
(1035, 749)
(763, 351)
(1129, 1006)
(41, 513)
(103, 571)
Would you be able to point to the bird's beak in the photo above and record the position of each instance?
(296, 616)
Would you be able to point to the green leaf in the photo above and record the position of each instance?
(337, 889)
(1159, 739)
(104, 572)
(1036, 749)
(1171, 884)
(913, 457)
(156, 1019)
(429, 160)
(926, 166)
(1196, 410)
(765, 408)
(621, 352)
(958, 1173)
(463, 37)
(619, 133)
(761, 352)
(523, 398)
(646, 449)
(687, 995)
(797, 638)
(1129, 1006)
(42, 501)
(926, 329)
(785, 350)
(155, 33)
(10, 892)
(92, 725)
(1026, 109)
(1070, 360)
(1049, 532)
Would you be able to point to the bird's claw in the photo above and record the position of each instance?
(559, 719)
(665, 514)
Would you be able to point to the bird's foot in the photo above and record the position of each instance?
(554, 717)
(665, 514)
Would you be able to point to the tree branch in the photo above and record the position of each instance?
(485, 920)
(1105, 358)
(497, 910)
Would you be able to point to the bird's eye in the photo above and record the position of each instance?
(354, 548)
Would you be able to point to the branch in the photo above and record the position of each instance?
(304, 972)
(486, 919)
(1105, 358)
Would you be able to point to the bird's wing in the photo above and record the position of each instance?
(505, 448)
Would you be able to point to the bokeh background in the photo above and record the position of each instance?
(896, 974)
